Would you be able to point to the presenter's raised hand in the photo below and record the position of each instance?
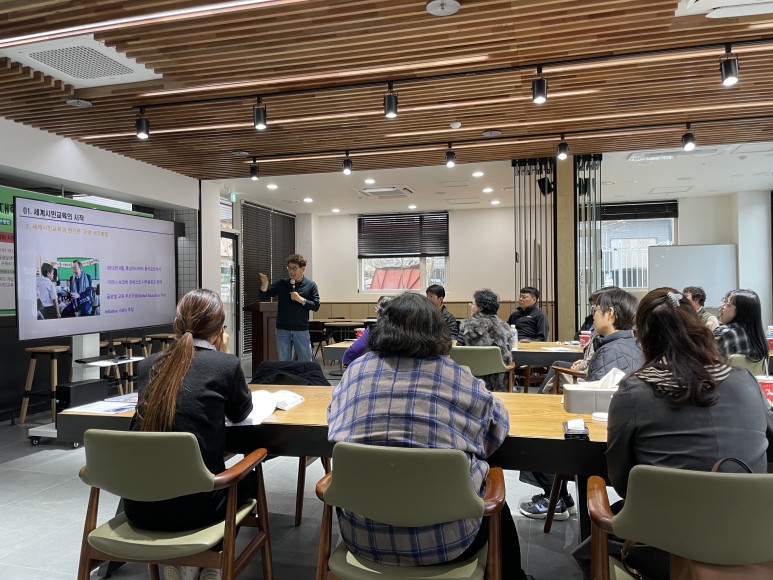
(263, 282)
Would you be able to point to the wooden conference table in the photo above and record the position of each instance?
(535, 441)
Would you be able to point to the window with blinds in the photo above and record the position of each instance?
(402, 251)
(267, 238)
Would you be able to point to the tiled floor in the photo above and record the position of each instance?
(42, 506)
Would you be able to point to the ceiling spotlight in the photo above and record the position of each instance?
(688, 139)
(336, 210)
(272, 186)
(450, 157)
(477, 174)
(143, 125)
(390, 102)
(259, 115)
(370, 181)
(539, 87)
(495, 202)
(254, 170)
(562, 151)
(728, 67)
(307, 200)
(488, 189)
(412, 206)
(347, 165)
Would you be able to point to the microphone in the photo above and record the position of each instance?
(292, 284)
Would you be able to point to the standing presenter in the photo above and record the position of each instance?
(296, 296)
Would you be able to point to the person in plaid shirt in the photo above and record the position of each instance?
(741, 332)
(407, 393)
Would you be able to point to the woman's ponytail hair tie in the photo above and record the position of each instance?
(674, 298)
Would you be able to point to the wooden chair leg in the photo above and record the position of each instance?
(27, 389)
(302, 463)
(558, 480)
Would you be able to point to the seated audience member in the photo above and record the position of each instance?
(581, 364)
(436, 293)
(530, 322)
(485, 328)
(360, 346)
(615, 348)
(696, 296)
(741, 329)
(406, 392)
(192, 386)
(685, 408)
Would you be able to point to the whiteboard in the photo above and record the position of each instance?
(712, 267)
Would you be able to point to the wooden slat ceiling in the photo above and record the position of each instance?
(323, 69)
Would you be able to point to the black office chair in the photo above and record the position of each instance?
(319, 336)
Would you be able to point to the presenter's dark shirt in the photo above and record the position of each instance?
(530, 323)
(292, 315)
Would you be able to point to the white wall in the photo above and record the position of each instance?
(210, 236)
(482, 255)
(742, 219)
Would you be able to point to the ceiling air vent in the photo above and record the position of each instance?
(386, 191)
(666, 154)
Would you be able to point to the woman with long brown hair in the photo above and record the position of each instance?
(192, 386)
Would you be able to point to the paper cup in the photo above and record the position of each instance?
(766, 383)
(584, 338)
(358, 332)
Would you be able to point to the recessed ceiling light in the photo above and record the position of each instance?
(495, 202)
(492, 133)
(335, 210)
(370, 181)
(240, 153)
(412, 206)
(272, 186)
(456, 124)
(307, 199)
(477, 174)
(488, 189)
(443, 7)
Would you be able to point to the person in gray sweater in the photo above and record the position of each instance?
(685, 408)
(614, 347)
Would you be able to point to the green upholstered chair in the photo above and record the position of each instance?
(708, 522)
(742, 361)
(482, 361)
(157, 466)
(407, 487)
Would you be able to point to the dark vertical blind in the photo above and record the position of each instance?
(587, 207)
(267, 238)
(383, 236)
(535, 228)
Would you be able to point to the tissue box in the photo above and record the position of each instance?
(586, 400)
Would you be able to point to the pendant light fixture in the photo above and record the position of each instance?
(254, 170)
(259, 115)
(562, 151)
(688, 139)
(450, 157)
(347, 164)
(390, 102)
(539, 87)
(143, 125)
(728, 67)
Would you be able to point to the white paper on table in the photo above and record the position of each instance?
(106, 407)
(265, 402)
(608, 381)
(559, 349)
(127, 398)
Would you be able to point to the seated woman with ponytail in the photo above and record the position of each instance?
(192, 386)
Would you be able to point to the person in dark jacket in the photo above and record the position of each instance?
(192, 386)
(530, 322)
(297, 295)
(615, 347)
(437, 294)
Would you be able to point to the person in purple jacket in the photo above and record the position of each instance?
(360, 346)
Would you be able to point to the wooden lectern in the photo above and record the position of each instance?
(263, 332)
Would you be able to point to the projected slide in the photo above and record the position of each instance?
(81, 270)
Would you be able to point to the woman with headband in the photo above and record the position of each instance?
(685, 408)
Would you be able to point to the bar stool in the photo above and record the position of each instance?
(52, 351)
(128, 342)
(164, 338)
